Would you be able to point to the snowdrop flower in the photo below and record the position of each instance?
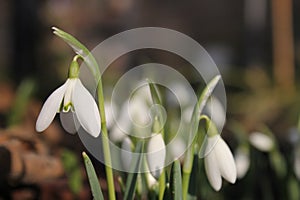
(261, 141)
(219, 162)
(242, 161)
(126, 153)
(215, 110)
(133, 119)
(156, 154)
(76, 105)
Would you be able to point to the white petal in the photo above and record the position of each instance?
(212, 171)
(156, 154)
(225, 161)
(138, 112)
(126, 154)
(50, 108)
(69, 122)
(122, 127)
(109, 114)
(209, 144)
(261, 141)
(151, 181)
(68, 94)
(116, 134)
(86, 109)
(177, 148)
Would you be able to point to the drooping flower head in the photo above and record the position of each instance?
(75, 104)
(218, 160)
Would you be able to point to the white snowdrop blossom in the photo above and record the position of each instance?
(156, 154)
(242, 161)
(126, 153)
(219, 162)
(76, 105)
(261, 141)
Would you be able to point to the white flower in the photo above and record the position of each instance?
(215, 110)
(126, 153)
(219, 162)
(156, 154)
(242, 161)
(261, 141)
(76, 104)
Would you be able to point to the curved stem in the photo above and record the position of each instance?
(105, 141)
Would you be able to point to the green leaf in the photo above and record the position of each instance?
(188, 163)
(159, 118)
(80, 50)
(176, 184)
(162, 185)
(24, 94)
(135, 167)
(189, 155)
(167, 192)
(93, 179)
(156, 97)
(71, 166)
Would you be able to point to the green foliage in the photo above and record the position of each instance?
(135, 167)
(24, 93)
(93, 179)
(71, 166)
(176, 183)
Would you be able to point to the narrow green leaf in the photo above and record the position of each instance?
(194, 180)
(176, 184)
(159, 119)
(80, 50)
(206, 93)
(71, 166)
(189, 155)
(162, 185)
(167, 192)
(135, 167)
(93, 179)
(24, 94)
(156, 97)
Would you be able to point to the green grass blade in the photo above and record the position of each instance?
(132, 177)
(176, 184)
(22, 99)
(93, 179)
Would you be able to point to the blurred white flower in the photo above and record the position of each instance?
(177, 148)
(219, 162)
(156, 154)
(126, 153)
(72, 97)
(242, 161)
(261, 141)
(179, 93)
(151, 181)
(215, 110)
(108, 106)
(122, 126)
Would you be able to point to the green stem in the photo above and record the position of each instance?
(187, 169)
(185, 184)
(162, 185)
(105, 141)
